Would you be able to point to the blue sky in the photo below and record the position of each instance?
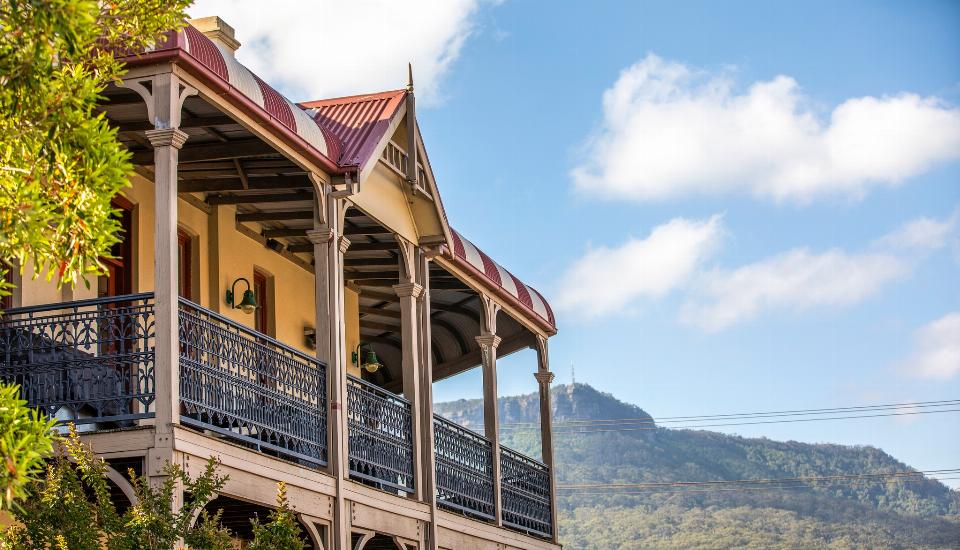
(763, 214)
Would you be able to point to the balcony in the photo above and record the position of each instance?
(92, 363)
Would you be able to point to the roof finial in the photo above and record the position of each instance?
(409, 77)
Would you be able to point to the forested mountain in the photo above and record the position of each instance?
(852, 514)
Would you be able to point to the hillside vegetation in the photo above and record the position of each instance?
(892, 514)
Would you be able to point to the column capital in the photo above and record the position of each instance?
(344, 244)
(320, 236)
(406, 290)
(164, 137)
(488, 340)
(544, 377)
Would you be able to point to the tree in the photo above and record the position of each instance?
(281, 532)
(60, 161)
(70, 508)
(25, 440)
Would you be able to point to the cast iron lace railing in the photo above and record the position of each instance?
(251, 388)
(90, 362)
(464, 463)
(525, 493)
(380, 436)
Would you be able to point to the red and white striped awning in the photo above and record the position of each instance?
(259, 92)
(468, 255)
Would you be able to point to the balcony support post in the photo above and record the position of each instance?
(489, 341)
(329, 246)
(429, 464)
(409, 291)
(164, 95)
(544, 378)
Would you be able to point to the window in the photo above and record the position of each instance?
(264, 307)
(185, 265)
(119, 277)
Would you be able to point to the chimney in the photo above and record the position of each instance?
(218, 31)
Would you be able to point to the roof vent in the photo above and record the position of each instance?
(218, 31)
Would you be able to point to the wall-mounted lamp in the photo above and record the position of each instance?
(310, 337)
(248, 303)
(366, 358)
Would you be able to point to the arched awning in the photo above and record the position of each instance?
(502, 283)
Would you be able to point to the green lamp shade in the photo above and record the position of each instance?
(370, 361)
(248, 303)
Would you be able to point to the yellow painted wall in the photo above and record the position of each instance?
(215, 239)
(239, 255)
(351, 316)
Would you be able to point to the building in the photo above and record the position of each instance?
(328, 213)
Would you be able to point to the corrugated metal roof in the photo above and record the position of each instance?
(359, 122)
(495, 274)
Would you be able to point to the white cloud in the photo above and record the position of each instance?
(936, 349)
(920, 234)
(798, 279)
(670, 130)
(606, 280)
(329, 48)
(795, 280)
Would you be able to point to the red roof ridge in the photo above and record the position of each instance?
(349, 98)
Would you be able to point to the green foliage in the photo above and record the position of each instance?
(25, 440)
(60, 162)
(70, 508)
(281, 532)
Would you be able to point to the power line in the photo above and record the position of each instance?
(737, 489)
(588, 429)
(797, 412)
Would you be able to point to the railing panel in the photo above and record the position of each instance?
(86, 362)
(250, 387)
(464, 466)
(525, 493)
(380, 428)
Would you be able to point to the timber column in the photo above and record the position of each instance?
(329, 247)
(166, 147)
(409, 291)
(544, 378)
(489, 341)
(429, 471)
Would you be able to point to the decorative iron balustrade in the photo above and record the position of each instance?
(464, 466)
(87, 362)
(380, 436)
(249, 387)
(525, 493)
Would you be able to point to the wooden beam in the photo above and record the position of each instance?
(234, 184)
(380, 312)
(212, 151)
(368, 247)
(369, 262)
(378, 326)
(369, 231)
(185, 122)
(284, 232)
(253, 199)
(363, 275)
(270, 216)
(449, 285)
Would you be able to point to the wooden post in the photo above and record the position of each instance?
(429, 471)
(329, 247)
(544, 378)
(489, 341)
(409, 292)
